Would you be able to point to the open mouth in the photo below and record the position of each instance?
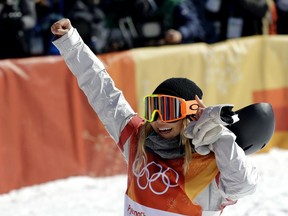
(164, 130)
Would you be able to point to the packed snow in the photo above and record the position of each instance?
(78, 196)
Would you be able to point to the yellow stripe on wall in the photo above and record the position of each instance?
(227, 72)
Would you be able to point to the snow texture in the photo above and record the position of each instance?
(78, 196)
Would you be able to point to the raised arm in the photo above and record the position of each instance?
(106, 100)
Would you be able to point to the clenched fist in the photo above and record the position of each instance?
(61, 27)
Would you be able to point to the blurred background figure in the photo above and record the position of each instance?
(17, 19)
(282, 13)
(88, 18)
(117, 20)
(237, 18)
(85, 14)
(48, 12)
(116, 25)
(208, 13)
(142, 23)
(160, 22)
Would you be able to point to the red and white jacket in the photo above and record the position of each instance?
(159, 188)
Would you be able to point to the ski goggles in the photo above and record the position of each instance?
(168, 108)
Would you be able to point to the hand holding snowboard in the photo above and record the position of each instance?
(253, 131)
(210, 126)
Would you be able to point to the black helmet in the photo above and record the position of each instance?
(255, 127)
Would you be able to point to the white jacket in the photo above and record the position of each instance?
(237, 177)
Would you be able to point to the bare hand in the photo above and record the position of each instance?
(61, 27)
(200, 109)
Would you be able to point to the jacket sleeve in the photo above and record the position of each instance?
(107, 101)
(238, 177)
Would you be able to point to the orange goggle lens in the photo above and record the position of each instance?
(168, 108)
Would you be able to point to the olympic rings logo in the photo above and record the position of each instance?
(160, 176)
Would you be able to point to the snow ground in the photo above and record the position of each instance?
(78, 196)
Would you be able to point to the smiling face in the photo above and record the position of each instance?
(167, 130)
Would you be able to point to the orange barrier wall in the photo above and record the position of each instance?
(48, 130)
